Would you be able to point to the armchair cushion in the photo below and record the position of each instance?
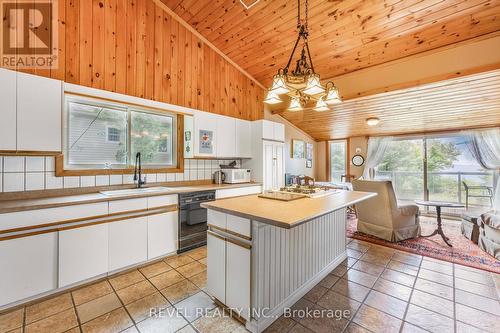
(491, 219)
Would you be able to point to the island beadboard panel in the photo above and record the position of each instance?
(136, 48)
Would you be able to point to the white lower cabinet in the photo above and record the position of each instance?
(162, 234)
(128, 242)
(83, 253)
(236, 192)
(28, 267)
(238, 278)
(216, 267)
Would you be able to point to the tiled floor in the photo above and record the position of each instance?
(384, 291)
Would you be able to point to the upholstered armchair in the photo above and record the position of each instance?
(381, 216)
(489, 231)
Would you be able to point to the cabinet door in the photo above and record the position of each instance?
(8, 111)
(39, 110)
(205, 123)
(83, 253)
(128, 242)
(269, 169)
(279, 131)
(238, 278)
(279, 173)
(216, 267)
(243, 138)
(226, 136)
(28, 266)
(267, 130)
(162, 234)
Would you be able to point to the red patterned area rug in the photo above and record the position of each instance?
(463, 252)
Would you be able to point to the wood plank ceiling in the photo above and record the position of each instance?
(472, 101)
(345, 36)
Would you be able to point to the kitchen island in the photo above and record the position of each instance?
(264, 254)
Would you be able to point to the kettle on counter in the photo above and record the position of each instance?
(219, 177)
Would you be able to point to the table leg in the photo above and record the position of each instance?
(439, 230)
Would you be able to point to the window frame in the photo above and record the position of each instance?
(63, 169)
(107, 134)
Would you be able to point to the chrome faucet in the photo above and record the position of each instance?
(138, 172)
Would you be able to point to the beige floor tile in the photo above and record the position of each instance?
(393, 289)
(339, 271)
(433, 303)
(477, 276)
(155, 269)
(376, 320)
(476, 288)
(178, 260)
(354, 253)
(328, 281)
(402, 267)
(407, 258)
(281, 325)
(48, 307)
(203, 261)
(464, 328)
(195, 306)
(166, 279)
(300, 329)
(98, 307)
(214, 322)
(358, 246)
(478, 302)
(136, 291)
(355, 328)
(20, 330)
(409, 328)
(429, 320)
(187, 329)
(147, 306)
(368, 268)
(440, 267)
(388, 304)
(383, 250)
(179, 291)
(127, 279)
(114, 321)
(398, 277)
(349, 262)
(198, 253)
(191, 269)
(11, 320)
(335, 301)
(91, 292)
(434, 288)
(362, 278)
(131, 329)
(322, 323)
(75, 330)
(315, 293)
(57, 323)
(351, 289)
(480, 319)
(200, 280)
(436, 277)
(376, 259)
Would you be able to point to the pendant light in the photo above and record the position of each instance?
(302, 83)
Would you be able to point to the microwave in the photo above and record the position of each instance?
(236, 176)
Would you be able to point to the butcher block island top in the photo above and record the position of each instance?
(286, 214)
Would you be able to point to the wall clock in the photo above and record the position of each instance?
(358, 160)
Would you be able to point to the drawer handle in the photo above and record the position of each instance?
(216, 235)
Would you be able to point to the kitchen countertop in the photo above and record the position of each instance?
(286, 214)
(9, 206)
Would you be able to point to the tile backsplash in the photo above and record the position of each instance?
(30, 173)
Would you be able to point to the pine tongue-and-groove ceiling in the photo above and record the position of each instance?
(345, 36)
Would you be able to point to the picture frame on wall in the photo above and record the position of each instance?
(309, 164)
(309, 155)
(298, 148)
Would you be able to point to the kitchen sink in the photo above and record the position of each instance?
(133, 191)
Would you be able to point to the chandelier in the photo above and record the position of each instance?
(302, 84)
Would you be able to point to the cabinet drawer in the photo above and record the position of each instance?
(162, 200)
(127, 205)
(216, 218)
(238, 225)
(235, 192)
(51, 215)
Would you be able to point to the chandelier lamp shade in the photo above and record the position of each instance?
(302, 84)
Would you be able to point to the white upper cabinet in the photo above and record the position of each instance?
(8, 110)
(226, 134)
(243, 138)
(205, 127)
(39, 111)
(268, 130)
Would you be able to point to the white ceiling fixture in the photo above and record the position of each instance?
(249, 4)
(372, 121)
(302, 84)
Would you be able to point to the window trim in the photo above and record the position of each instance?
(178, 144)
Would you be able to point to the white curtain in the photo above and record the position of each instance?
(377, 147)
(484, 146)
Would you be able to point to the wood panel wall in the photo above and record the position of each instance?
(134, 47)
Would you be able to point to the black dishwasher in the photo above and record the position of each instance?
(193, 219)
